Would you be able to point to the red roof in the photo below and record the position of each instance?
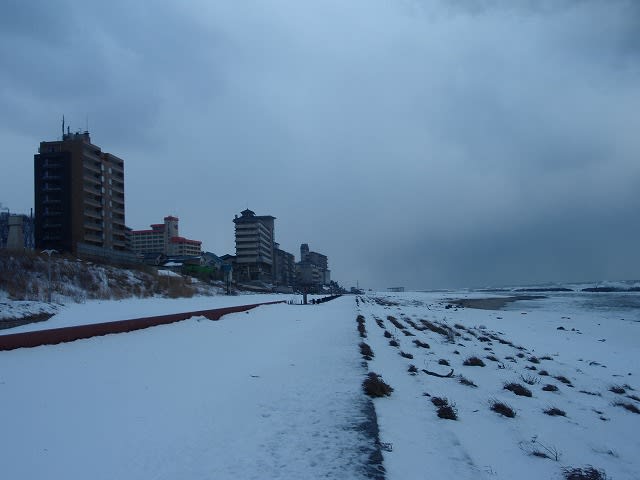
(184, 240)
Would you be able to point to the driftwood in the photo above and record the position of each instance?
(448, 375)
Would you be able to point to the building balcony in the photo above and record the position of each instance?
(90, 188)
(93, 239)
(93, 214)
(95, 226)
(93, 202)
(51, 201)
(51, 225)
(91, 165)
(90, 178)
(51, 164)
(48, 176)
(52, 188)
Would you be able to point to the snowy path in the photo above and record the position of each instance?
(270, 393)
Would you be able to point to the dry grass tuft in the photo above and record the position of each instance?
(365, 351)
(375, 387)
(502, 408)
(583, 473)
(627, 406)
(617, 389)
(473, 362)
(518, 389)
(466, 381)
(420, 344)
(555, 412)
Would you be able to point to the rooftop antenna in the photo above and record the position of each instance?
(87, 119)
(63, 126)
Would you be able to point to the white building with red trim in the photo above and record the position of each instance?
(164, 238)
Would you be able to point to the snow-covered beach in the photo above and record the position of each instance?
(276, 392)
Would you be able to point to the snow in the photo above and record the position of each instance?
(276, 392)
(97, 311)
(270, 393)
(168, 273)
(482, 444)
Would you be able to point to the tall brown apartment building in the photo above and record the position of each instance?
(79, 198)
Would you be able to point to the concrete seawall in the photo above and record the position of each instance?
(69, 334)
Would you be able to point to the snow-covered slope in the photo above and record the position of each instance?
(553, 344)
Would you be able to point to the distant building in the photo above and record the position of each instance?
(79, 198)
(313, 269)
(16, 231)
(396, 289)
(285, 268)
(164, 239)
(254, 247)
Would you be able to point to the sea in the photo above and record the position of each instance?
(612, 299)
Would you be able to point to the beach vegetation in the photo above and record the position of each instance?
(530, 379)
(440, 401)
(365, 351)
(627, 406)
(502, 408)
(563, 379)
(375, 386)
(518, 389)
(555, 412)
(473, 362)
(465, 381)
(584, 473)
(448, 412)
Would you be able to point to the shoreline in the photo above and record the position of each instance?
(492, 303)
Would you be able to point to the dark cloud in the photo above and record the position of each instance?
(424, 143)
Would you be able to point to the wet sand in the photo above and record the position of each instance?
(495, 303)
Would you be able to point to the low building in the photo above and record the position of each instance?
(395, 289)
(164, 239)
(16, 231)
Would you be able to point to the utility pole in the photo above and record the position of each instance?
(49, 252)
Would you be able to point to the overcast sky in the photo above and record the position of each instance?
(422, 143)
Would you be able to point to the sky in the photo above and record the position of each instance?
(416, 143)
